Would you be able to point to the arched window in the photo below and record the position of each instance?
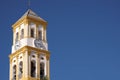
(22, 33)
(42, 58)
(14, 72)
(40, 35)
(20, 69)
(42, 71)
(33, 68)
(17, 34)
(32, 32)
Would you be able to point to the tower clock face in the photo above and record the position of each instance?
(39, 44)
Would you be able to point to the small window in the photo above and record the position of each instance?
(22, 33)
(20, 69)
(42, 58)
(33, 69)
(40, 35)
(33, 56)
(17, 34)
(14, 72)
(14, 61)
(32, 32)
(20, 57)
(42, 71)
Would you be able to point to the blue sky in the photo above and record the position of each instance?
(83, 37)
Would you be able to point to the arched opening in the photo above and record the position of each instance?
(40, 34)
(33, 68)
(16, 39)
(32, 32)
(42, 71)
(22, 33)
(14, 72)
(42, 58)
(20, 69)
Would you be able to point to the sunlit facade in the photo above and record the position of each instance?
(29, 58)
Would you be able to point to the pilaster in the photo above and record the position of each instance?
(25, 64)
(17, 68)
(38, 66)
(48, 69)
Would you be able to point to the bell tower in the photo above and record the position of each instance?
(29, 58)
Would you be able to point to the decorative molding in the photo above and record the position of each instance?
(29, 49)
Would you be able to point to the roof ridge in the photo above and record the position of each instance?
(30, 13)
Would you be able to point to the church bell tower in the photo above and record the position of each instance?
(29, 59)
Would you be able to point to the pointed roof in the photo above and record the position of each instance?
(32, 14)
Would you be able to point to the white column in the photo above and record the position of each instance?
(26, 64)
(45, 35)
(48, 69)
(35, 31)
(17, 68)
(26, 31)
(38, 66)
(29, 63)
(14, 37)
